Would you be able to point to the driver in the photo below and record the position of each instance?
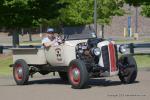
(51, 39)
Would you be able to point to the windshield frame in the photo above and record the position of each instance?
(79, 32)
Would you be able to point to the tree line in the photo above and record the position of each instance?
(17, 14)
(33, 13)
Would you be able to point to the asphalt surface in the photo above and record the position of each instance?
(53, 88)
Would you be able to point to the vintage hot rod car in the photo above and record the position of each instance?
(76, 60)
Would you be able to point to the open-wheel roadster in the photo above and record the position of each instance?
(76, 60)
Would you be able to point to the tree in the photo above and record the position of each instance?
(14, 15)
(106, 10)
(134, 2)
(81, 12)
(17, 14)
(146, 9)
(76, 12)
(137, 2)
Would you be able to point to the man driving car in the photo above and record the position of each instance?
(51, 38)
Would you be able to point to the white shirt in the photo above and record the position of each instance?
(54, 42)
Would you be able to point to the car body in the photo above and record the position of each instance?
(75, 60)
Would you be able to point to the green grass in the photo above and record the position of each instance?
(37, 42)
(142, 60)
(4, 65)
(132, 41)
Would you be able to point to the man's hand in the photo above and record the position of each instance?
(51, 37)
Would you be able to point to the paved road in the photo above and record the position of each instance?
(46, 88)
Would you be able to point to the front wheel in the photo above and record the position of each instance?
(78, 75)
(21, 72)
(127, 69)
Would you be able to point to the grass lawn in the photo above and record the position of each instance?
(146, 40)
(142, 60)
(6, 60)
(37, 42)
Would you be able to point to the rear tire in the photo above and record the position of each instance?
(21, 72)
(127, 69)
(78, 75)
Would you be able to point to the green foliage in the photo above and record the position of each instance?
(14, 13)
(107, 9)
(81, 12)
(146, 9)
(76, 12)
(32, 13)
(134, 2)
(27, 13)
(144, 3)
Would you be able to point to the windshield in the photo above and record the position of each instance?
(78, 33)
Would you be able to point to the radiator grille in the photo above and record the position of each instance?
(112, 57)
(105, 56)
(109, 57)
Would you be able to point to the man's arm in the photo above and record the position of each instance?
(46, 42)
(49, 44)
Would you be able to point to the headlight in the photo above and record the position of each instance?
(96, 51)
(122, 48)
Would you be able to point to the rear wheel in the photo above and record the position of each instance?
(21, 72)
(78, 75)
(128, 69)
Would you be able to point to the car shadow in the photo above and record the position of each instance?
(104, 82)
(91, 82)
(49, 81)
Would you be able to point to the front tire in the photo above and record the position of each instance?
(21, 72)
(78, 75)
(127, 69)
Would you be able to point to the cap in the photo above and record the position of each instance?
(50, 30)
